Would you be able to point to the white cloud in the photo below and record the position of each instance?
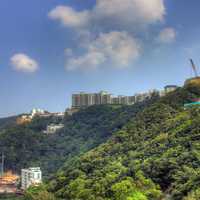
(107, 31)
(22, 62)
(69, 17)
(91, 60)
(130, 12)
(118, 49)
(167, 35)
(119, 13)
(68, 52)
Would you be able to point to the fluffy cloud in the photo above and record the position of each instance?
(117, 13)
(22, 62)
(167, 35)
(69, 17)
(130, 12)
(68, 52)
(107, 31)
(91, 60)
(116, 48)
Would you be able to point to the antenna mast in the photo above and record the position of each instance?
(2, 164)
(194, 68)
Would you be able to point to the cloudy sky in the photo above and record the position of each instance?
(50, 49)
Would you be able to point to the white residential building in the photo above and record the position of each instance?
(52, 128)
(30, 176)
(162, 93)
(170, 88)
(35, 112)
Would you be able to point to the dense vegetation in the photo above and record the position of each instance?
(26, 145)
(156, 155)
(149, 151)
(10, 197)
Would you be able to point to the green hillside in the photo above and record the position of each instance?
(155, 156)
(27, 145)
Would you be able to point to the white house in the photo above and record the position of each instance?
(30, 176)
(53, 128)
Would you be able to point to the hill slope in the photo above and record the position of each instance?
(154, 156)
(27, 145)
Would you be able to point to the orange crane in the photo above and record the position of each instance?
(194, 68)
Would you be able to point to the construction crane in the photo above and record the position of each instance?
(194, 68)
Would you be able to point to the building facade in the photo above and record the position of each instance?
(30, 176)
(88, 99)
(82, 99)
(170, 88)
(53, 128)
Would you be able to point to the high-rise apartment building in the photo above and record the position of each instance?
(105, 97)
(82, 99)
(75, 100)
(89, 99)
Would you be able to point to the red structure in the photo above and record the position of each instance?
(8, 183)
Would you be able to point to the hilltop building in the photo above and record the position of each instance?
(35, 112)
(88, 99)
(161, 93)
(123, 100)
(43, 113)
(23, 119)
(30, 176)
(82, 99)
(170, 88)
(27, 118)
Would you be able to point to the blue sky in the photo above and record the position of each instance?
(52, 48)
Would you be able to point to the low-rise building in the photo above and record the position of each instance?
(23, 119)
(170, 88)
(53, 128)
(27, 118)
(162, 93)
(8, 183)
(30, 177)
(59, 114)
(35, 112)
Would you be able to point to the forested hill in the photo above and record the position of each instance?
(28, 146)
(154, 156)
